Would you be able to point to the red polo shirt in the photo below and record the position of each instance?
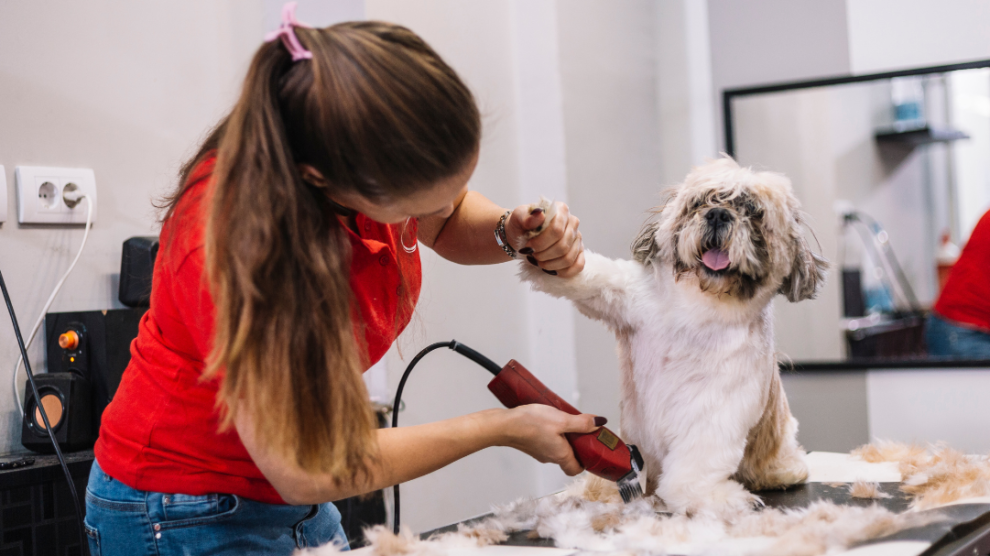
(966, 296)
(160, 432)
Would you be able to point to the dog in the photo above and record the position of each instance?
(693, 317)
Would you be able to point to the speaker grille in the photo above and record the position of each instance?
(53, 407)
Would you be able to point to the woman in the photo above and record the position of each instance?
(288, 265)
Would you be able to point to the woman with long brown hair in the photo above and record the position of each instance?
(288, 265)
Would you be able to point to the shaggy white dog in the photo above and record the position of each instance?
(693, 316)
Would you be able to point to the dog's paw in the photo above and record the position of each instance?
(549, 209)
(787, 472)
(726, 500)
(732, 502)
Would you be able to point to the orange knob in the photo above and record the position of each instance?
(69, 340)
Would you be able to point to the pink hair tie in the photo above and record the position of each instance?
(286, 31)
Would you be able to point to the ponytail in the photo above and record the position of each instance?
(377, 113)
(278, 262)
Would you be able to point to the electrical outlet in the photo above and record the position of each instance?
(50, 195)
(3, 195)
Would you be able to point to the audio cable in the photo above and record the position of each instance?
(44, 414)
(471, 354)
(51, 298)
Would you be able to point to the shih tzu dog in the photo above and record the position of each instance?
(693, 316)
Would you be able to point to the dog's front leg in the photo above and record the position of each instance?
(601, 291)
(695, 479)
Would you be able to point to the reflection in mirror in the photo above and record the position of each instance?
(895, 174)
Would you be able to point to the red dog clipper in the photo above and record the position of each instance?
(601, 453)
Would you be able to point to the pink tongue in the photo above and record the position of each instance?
(716, 259)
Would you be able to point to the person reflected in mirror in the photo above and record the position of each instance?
(959, 326)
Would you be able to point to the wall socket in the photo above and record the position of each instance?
(3, 195)
(50, 195)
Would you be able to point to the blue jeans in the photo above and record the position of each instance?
(127, 522)
(946, 339)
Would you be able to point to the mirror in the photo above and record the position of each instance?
(894, 171)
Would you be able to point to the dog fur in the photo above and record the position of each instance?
(866, 489)
(590, 516)
(933, 476)
(701, 392)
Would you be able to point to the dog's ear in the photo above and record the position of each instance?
(808, 269)
(644, 247)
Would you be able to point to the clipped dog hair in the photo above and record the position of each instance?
(933, 475)
(866, 489)
(587, 517)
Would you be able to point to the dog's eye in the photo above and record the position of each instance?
(697, 204)
(754, 210)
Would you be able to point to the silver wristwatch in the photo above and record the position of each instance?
(500, 236)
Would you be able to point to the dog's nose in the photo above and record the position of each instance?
(718, 216)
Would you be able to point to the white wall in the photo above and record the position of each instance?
(831, 409)
(885, 35)
(315, 13)
(124, 88)
(766, 41)
(841, 410)
(930, 406)
(685, 98)
(770, 41)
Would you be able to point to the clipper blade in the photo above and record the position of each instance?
(629, 488)
(631, 485)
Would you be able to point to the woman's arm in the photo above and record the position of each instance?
(406, 453)
(467, 235)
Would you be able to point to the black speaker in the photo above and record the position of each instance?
(67, 399)
(95, 345)
(137, 263)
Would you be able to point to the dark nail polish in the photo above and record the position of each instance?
(526, 251)
(532, 260)
(550, 272)
(536, 211)
(600, 421)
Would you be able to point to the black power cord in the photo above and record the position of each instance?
(459, 348)
(44, 415)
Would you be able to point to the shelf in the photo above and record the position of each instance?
(886, 363)
(46, 468)
(918, 136)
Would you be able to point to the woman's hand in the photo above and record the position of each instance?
(406, 453)
(558, 249)
(538, 430)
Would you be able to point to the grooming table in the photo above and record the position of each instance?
(966, 531)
